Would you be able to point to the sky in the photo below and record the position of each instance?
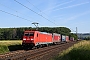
(48, 13)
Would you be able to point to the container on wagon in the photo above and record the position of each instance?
(63, 38)
(71, 38)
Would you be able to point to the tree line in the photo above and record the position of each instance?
(86, 38)
(17, 33)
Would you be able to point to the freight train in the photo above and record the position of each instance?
(38, 39)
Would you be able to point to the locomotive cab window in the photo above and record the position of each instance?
(29, 34)
(26, 34)
(37, 35)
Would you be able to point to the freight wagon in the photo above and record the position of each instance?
(56, 38)
(67, 38)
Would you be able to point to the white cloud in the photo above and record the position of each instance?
(67, 20)
(51, 8)
(76, 16)
(71, 6)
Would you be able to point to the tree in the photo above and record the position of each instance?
(17, 33)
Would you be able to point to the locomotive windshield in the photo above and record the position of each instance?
(29, 34)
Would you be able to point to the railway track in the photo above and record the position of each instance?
(51, 51)
(36, 54)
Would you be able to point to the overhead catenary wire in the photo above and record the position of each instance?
(34, 5)
(35, 12)
(72, 30)
(17, 12)
(7, 7)
(15, 15)
(40, 11)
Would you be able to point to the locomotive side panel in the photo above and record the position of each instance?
(43, 38)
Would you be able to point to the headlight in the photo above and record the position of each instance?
(32, 39)
(24, 39)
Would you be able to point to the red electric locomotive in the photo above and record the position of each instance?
(36, 38)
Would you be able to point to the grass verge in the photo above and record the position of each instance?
(3, 49)
(10, 45)
(79, 51)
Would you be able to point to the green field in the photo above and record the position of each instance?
(10, 42)
(7, 46)
(79, 51)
